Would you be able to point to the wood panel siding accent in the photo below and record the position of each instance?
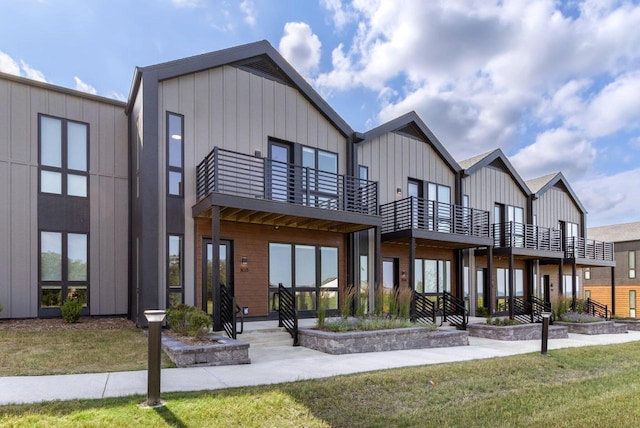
(489, 186)
(555, 205)
(393, 158)
(21, 101)
(252, 241)
(601, 293)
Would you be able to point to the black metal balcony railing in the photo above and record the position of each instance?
(519, 235)
(418, 213)
(581, 248)
(239, 174)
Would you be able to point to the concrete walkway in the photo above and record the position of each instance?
(273, 365)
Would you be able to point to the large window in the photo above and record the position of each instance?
(175, 144)
(502, 289)
(64, 156)
(432, 276)
(312, 272)
(320, 177)
(64, 268)
(174, 271)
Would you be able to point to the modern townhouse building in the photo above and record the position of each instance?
(617, 289)
(227, 182)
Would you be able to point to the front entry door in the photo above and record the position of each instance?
(226, 271)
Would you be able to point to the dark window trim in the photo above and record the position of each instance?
(170, 168)
(64, 282)
(63, 169)
(168, 287)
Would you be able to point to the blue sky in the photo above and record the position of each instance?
(555, 84)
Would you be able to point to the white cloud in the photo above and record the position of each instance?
(84, 87)
(610, 199)
(341, 14)
(8, 65)
(187, 3)
(482, 74)
(248, 9)
(117, 96)
(555, 150)
(300, 47)
(32, 73)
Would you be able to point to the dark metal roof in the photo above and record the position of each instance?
(496, 159)
(259, 57)
(410, 124)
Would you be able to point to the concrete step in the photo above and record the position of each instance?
(266, 338)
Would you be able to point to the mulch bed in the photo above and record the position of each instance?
(58, 324)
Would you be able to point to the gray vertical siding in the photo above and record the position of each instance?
(393, 158)
(20, 103)
(556, 205)
(489, 186)
(236, 110)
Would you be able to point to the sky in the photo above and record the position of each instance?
(554, 84)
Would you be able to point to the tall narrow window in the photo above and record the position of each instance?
(64, 156)
(175, 144)
(632, 303)
(174, 267)
(64, 271)
(587, 273)
(632, 264)
(439, 197)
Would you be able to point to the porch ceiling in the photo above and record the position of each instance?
(255, 216)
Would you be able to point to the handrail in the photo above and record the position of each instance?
(287, 313)
(419, 213)
(239, 174)
(581, 248)
(454, 311)
(519, 235)
(538, 306)
(522, 310)
(228, 311)
(423, 309)
(597, 309)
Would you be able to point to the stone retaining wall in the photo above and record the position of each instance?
(516, 332)
(223, 351)
(599, 327)
(380, 340)
(631, 324)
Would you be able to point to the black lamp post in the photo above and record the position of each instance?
(546, 317)
(155, 319)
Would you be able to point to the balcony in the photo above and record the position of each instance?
(589, 250)
(422, 215)
(526, 237)
(269, 186)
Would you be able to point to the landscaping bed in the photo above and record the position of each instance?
(600, 327)
(380, 340)
(516, 332)
(212, 350)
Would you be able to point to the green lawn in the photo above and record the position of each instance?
(578, 387)
(73, 351)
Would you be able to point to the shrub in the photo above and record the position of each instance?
(404, 302)
(502, 322)
(579, 317)
(1, 307)
(188, 320)
(71, 309)
(482, 312)
(322, 313)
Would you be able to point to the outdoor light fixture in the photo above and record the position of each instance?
(257, 153)
(403, 275)
(399, 191)
(155, 319)
(245, 260)
(546, 317)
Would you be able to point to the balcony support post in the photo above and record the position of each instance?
(489, 279)
(412, 263)
(215, 270)
(512, 288)
(573, 280)
(613, 290)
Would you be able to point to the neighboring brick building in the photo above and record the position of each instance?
(622, 297)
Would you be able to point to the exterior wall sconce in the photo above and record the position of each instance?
(245, 264)
(257, 153)
(403, 275)
(276, 227)
(245, 260)
(399, 191)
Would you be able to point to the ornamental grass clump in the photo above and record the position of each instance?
(187, 320)
(572, 316)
